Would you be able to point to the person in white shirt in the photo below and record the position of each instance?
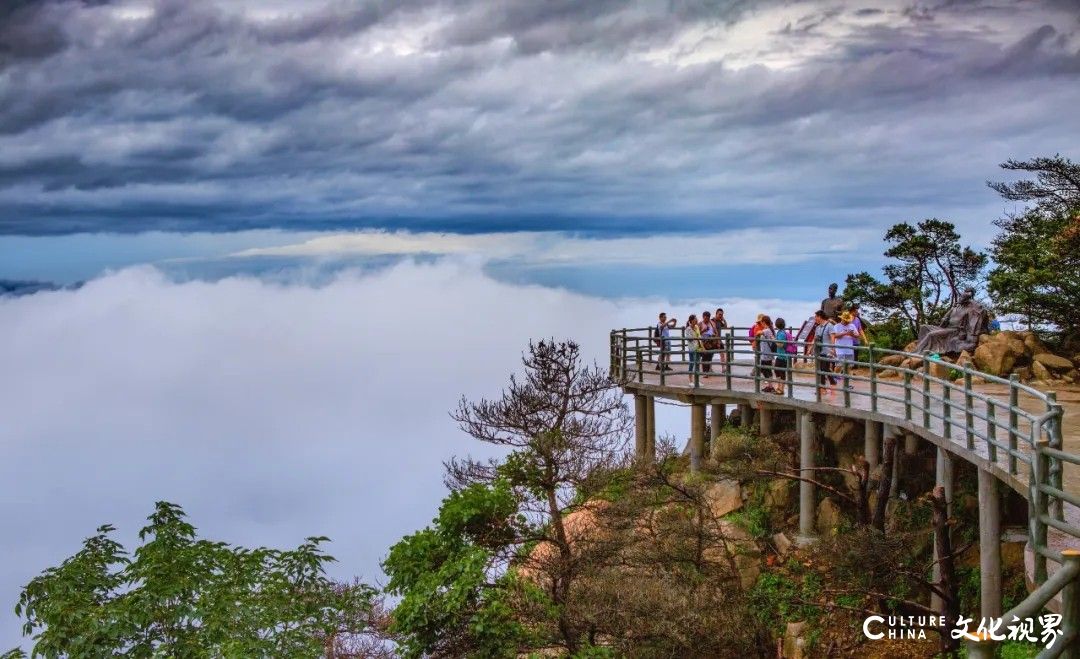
(845, 336)
(823, 348)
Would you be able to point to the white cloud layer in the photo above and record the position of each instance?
(270, 412)
(745, 246)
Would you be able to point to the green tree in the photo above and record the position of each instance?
(927, 271)
(564, 426)
(1036, 256)
(452, 578)
(182, 597)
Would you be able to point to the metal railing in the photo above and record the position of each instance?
(1015, 433)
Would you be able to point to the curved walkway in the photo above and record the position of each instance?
(1012, 433)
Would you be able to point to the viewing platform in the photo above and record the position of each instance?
(1015, 436)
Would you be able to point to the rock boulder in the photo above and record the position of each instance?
(794, 646)
(1040, 372)
(839, 430)
(1053, 362)
(995, 358)
(892, 360)
(828, 517)
(723, 496)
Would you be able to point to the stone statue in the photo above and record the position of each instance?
(963, 325)
(832, 304)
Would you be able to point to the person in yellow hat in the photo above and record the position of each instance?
(845, 336)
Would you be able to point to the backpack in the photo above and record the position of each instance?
(789, 347)
(656, 333)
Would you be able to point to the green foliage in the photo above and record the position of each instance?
(787, 595)
(1018, 650)
(970, 593)
(1037, 254)
(442, 574)
(891, 332)
(753, 517)
(1008, 650)
(179, 596)
(928, 270)
(594, 652)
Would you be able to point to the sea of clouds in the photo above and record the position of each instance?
(269, 411)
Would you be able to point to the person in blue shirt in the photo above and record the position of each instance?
(662, 338)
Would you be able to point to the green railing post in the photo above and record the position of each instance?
(1070, 603)
(625, 357)
(757, 372)
(1014, 404)
(697, 370)
(1037, 504)
(818, 374)
(847, 383)
(729, 346)
(1056, 507)
(946, 409)
(640, 369)
(991, 430)
(873, 378)
(969, 406)
(926, 392)
(907, 394)
(611, 355)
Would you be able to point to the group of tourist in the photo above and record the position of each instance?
(831, 334)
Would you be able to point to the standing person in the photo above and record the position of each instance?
(708, 341)
(786, 350)
(845, 336)
(832, 304)
(692, 333)
(765, 340)
(823, 348)
(721, 324)
(858, 321)
(806, 336)
(662, 338)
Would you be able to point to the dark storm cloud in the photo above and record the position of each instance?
(137, 114)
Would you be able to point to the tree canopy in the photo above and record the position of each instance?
(1036, 271)
(179, 596)
(927, 271)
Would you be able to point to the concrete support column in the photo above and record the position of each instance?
(807, 502)
(943, 476)
(641, 419)
(718, 416)
(697, 436)
(746, 415)
(911, 444)
(989, 544)
(717, 419)
(765, 421)
(650, 429)
(893, 431)
(872, 444)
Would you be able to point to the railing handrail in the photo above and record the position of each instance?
(1043, 440)
(730, 330)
